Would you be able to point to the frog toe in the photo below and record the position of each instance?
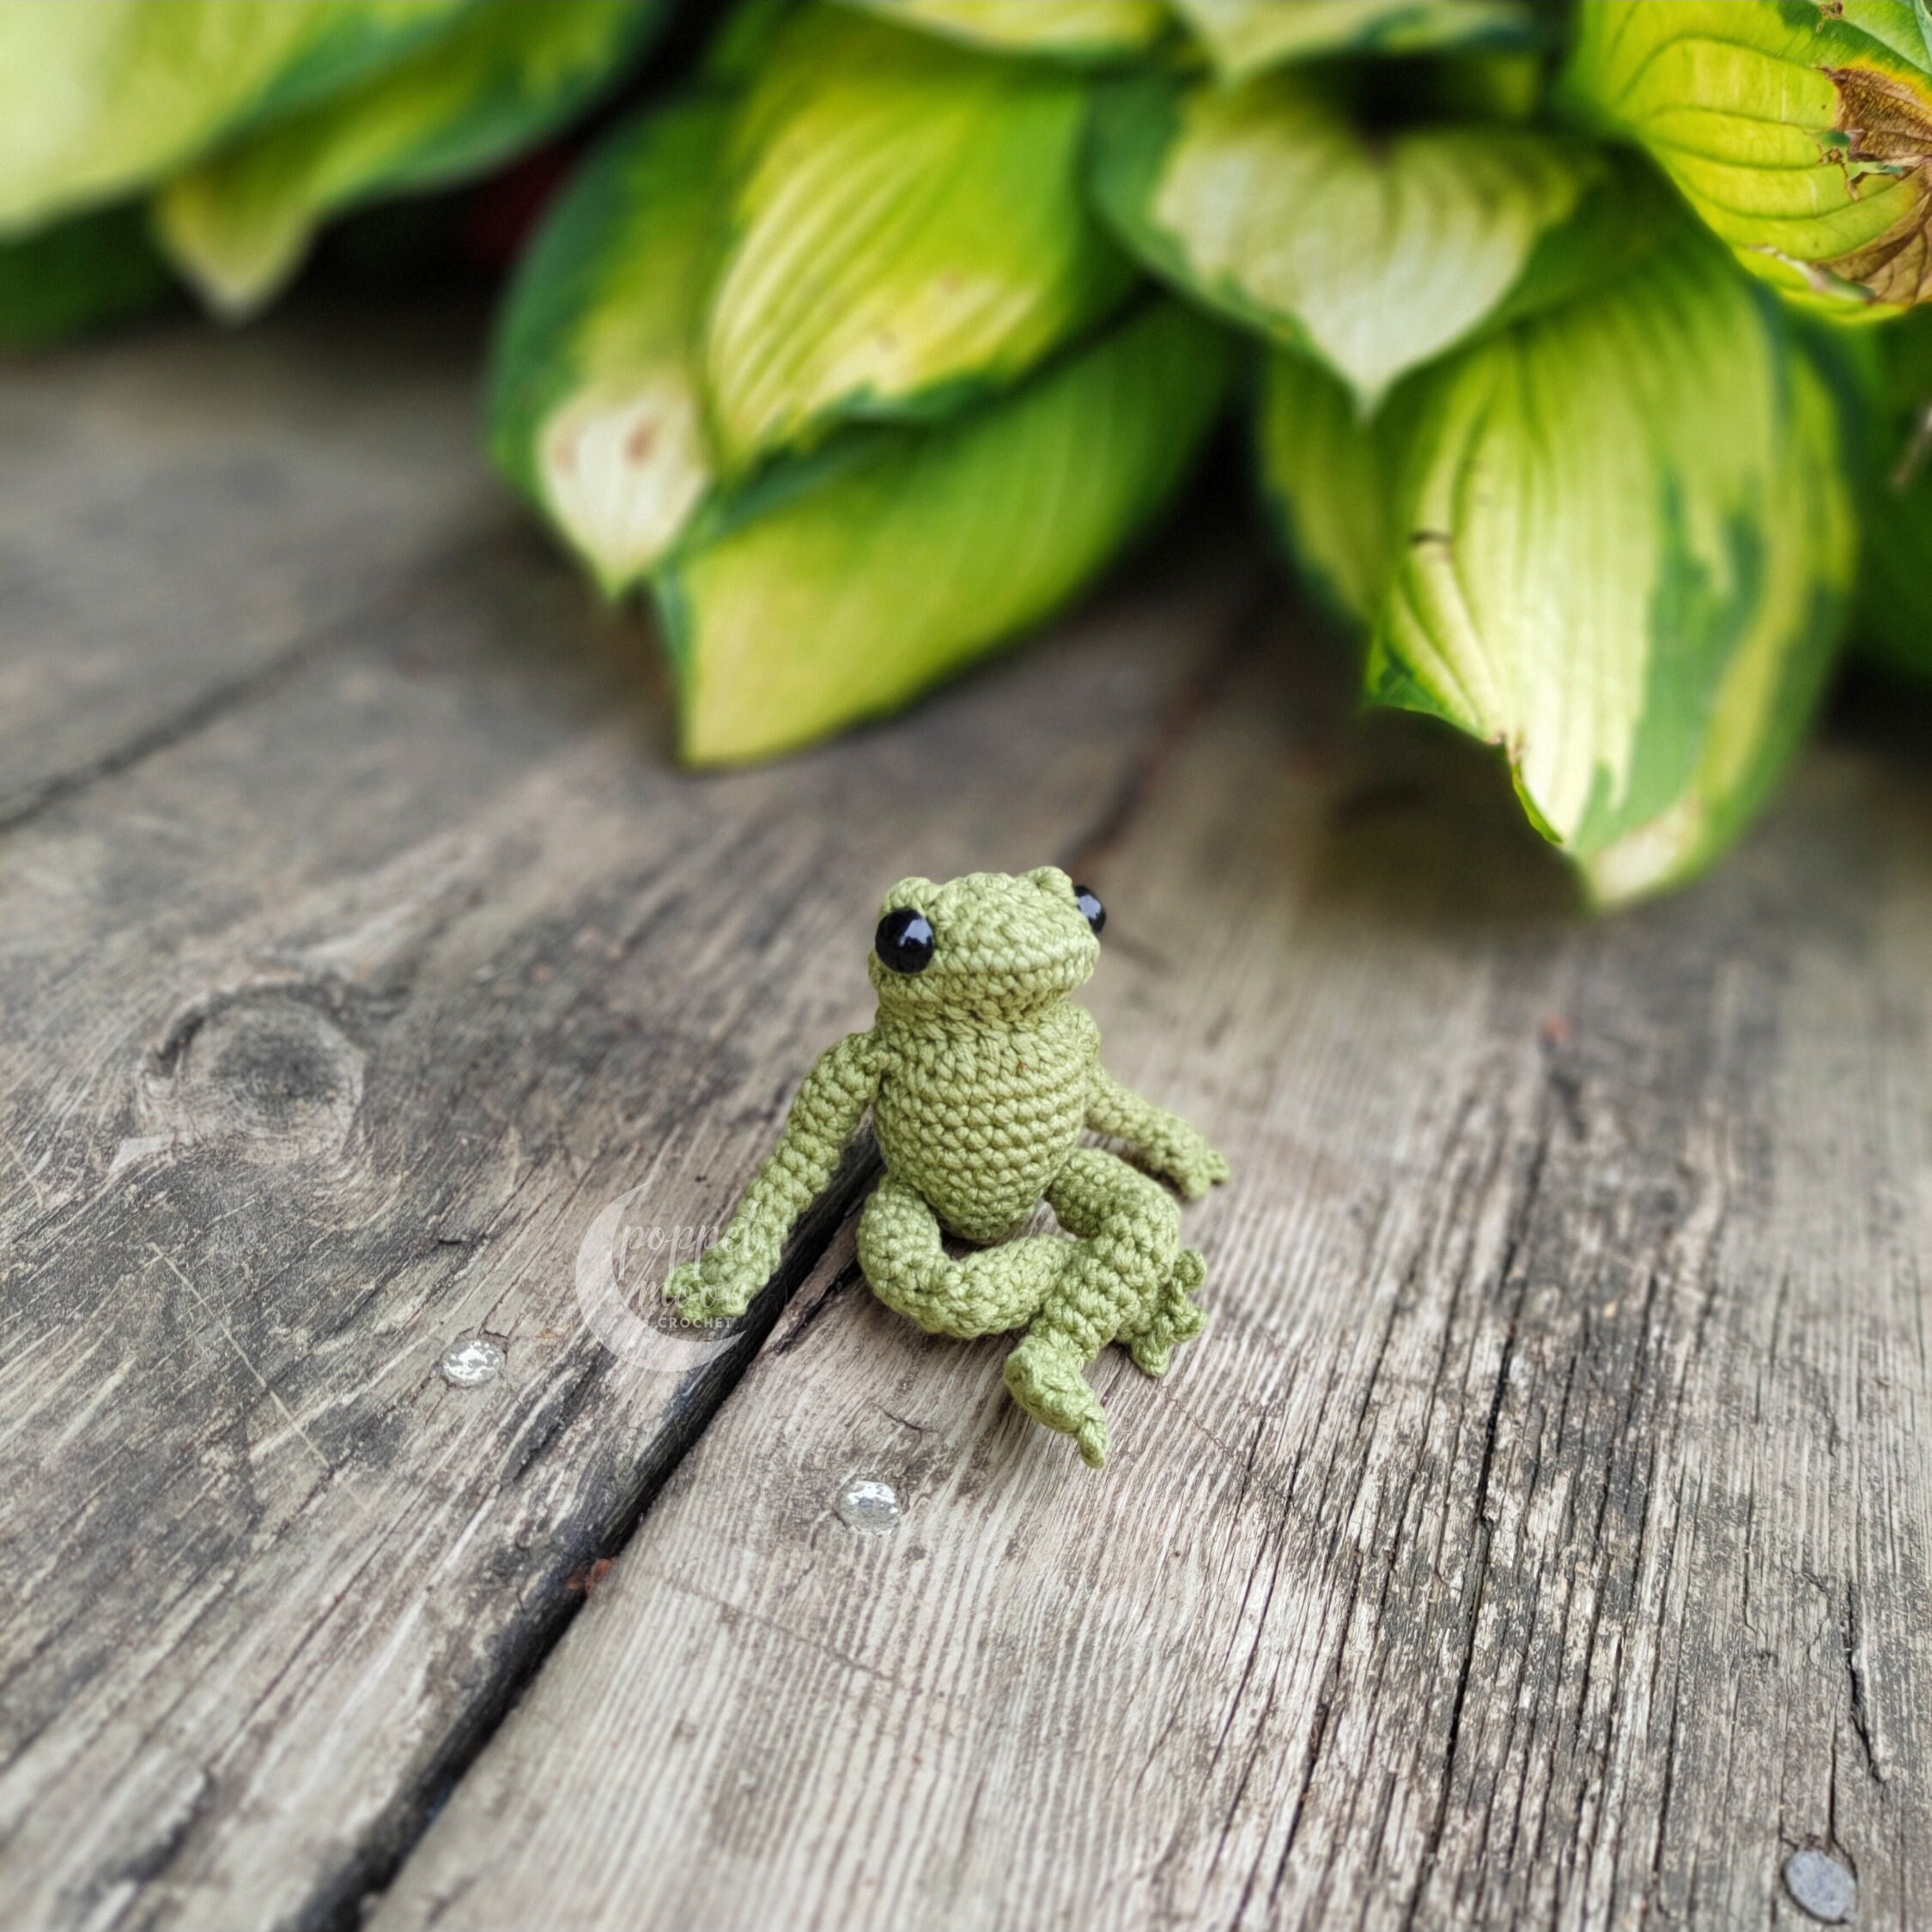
(1047, 1380)
(1175, 1320)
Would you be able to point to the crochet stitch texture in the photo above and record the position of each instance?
(981, 1077)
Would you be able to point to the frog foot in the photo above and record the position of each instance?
(1048, 1378)
(1176, 1320)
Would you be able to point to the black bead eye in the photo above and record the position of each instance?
(904, 940)
(1091, 910)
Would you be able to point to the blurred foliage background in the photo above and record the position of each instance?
(1579, 347)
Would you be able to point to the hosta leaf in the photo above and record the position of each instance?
(1894, 615)
(1327, 478)
(841, 591)
(1628, 210)
(239, 223)
(738, 43)
(96, 268)
(1245, 36)
(102, 96)
(1374, 253)
(909, 229)
(597, 399)
(1626, 541)
(1802, 134)
(1894, 611)
(1067, 27)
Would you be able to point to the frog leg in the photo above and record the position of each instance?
(1127, 1280)
(988, 1292)
(1083, 1201)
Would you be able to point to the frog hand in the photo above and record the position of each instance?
(715, 1288)
(1193, 1166)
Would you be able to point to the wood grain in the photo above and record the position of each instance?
(1540, 1534)
(161, 552)
(342, 1008)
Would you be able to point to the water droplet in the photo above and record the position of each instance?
(1822, 1886)
(469, 1364)
(867, 1504)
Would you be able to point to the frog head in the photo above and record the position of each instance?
(991, 947)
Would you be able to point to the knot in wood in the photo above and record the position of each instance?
(264, 1071)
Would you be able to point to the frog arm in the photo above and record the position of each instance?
(824, 1117)
(1168, 1144)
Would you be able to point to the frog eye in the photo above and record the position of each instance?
(904, 940)
(1091, 910)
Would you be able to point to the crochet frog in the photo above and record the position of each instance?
(981, 1076)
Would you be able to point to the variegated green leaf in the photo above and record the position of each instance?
(841, 589)
(239, 223)
(1802, 133)
(1625, 540)
(93, 269)
(1245, 36)
(597, 397)
(1374, 253)
(739, 42)
(1894, 616)
(909, 230)
(98, 97)
(1894, 611)
(1069, 28)
(1327, 478)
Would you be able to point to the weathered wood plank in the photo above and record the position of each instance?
(334, 1022)
(1538, 1537)
(183, 511)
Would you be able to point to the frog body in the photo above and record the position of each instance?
(1018, 1092)
(981, 1076)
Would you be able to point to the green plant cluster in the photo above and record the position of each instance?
(212, 138)
(1576, 339)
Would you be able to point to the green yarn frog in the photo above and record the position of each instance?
(981, 1076)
